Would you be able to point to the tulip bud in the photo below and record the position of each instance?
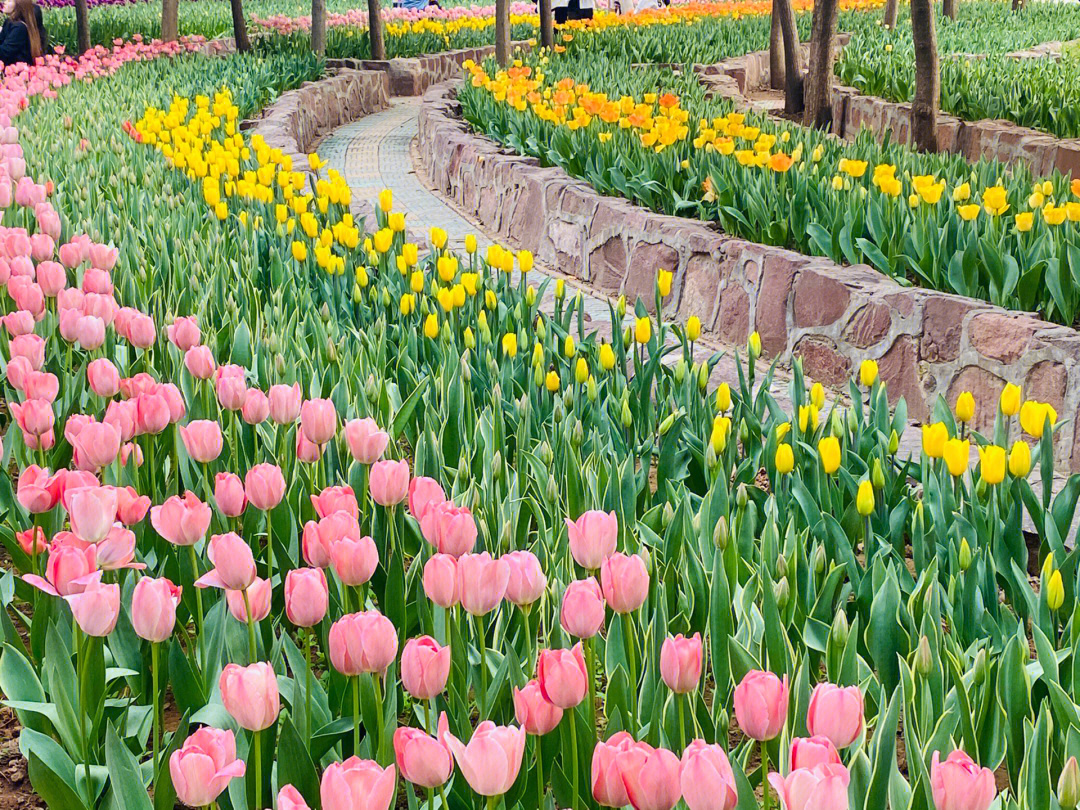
(567, 398)
(703, 376)
(924, 659)
(627, 417)
(538, 375)
(371, 390)
(819, 560)
(782, 591)
(710, 457)
(894, 443)
(964, 555)
(469, 337)
(665, 426)
(466, 369)
(721, 533)
(680, 370)
(836, 424)
(541, 332)
(744, 432)
(620, 307)
(626, 338)
(591, 390)
(840, 629)
(877, 474)
(742, 497)
(552, 490)
(980, 666)
(852, 421)
(1055, 592)
(1068, 786)
(577, 435)
(667, 515)
(780, 570)
(545, 454)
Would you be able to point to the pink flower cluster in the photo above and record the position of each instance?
(285, 25)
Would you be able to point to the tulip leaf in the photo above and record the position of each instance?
(124, 774)
(51, 787)
(295, 765)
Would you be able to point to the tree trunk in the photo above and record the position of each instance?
(924, 106)
(817, 94)
(318, 26)
(1017, 5)
(776, 52)
(239, 25)
(170, 20)
(547, 25)
(948, 8)
(793, 79)
(891, 7)
(502, 32)
(375, 30)
(82, 24)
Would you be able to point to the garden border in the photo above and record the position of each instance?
(926, 342)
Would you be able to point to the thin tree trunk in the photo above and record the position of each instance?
(547, 25)
(817, 95)
(1017, 5)
(375, 30)
(170, 20)
(793, 79)
(82, 24)
(924, 106)
(776, 52)
(318, 26)
(891, 8)
(502, 31)
(948, 8)
(239, 26)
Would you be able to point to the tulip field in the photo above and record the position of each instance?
(303, 511)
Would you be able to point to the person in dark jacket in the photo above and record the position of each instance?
(21, 36)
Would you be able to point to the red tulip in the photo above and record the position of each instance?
(592, 538)
(153, 608)
(562, 676)
(366, 442)
(526, 582)
(229, 494)
(306, 596)
(202, 768)
(533, 711)
(582, 613)
(680, 662)
(425, 666)
(250, 694)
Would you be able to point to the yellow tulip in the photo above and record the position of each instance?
(817, 395)
(723, 397)
(551, 381)
(438, 238)
(510, 344)
(396, 222)
(643, 330)
(1033, 416)
(525, 261)
(382, 240)
(829, 450)
(753, 346)
(721, 427)
(386, 200)
(560, 288)
(470, 244)
(933, 439)
(782, 430)
(299, 251)
(431, 326)
(663, 282)
(1010, 399)
(968, 212)
(693, 327)
(965, 407)
(1055, 592)
(490, 301)
(785, 459)
(607, 357)
(568, 346)
(808, 418)
(416, 281)
(956, 453)
(581, 370)
(407, 304)
(992, 464)
(868, 372)
(1020, 459)
(1024, 221)
(864, 500)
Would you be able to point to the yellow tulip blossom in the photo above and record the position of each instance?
(864, 499)
(607, 356)
(965, 407)
(1020, 459)
(785, 459)
(829, 450)
(510, 344)
(437, 237)
(386, 200)
(956, 453)
(431, 326)
(693, 327)
(299, 251)
(817, 395)
(992, 464)
(723, 397)
(1033, 417)
(643, 330)
(663, 282)
(933, 439)
(868, 373)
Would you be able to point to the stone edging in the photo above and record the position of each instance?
(926, 343)
(991, 139)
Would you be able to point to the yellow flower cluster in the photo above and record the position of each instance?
(203, 141)
(449, 28)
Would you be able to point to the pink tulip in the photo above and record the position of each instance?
(959, 783)
(129, 449)
(265, 486)
(761, 704)
(625, 582)
(481, 582)
(74, 479)
(141, 332)
(104, 257)
(153, 608)
(42, 385)
(306, 451)
(18, 368)
(67, 571)
(318, 420)
(121, 415)
(70, 255)
(492, 759)
(582, 613)
(389, 482)
(336, 499)
(97, 445)
(229, 494)
(320, 537)
(289, 798)
(37, 491)
(562, 676)
(117, 550)
(706, 779)
(234, 566)
(354, 559)
(285, 403)
(184, 332)
(607, 784)
(441, 581)
(92, 511)
(680, 662)
(182, 521)
(174, 399)
(250, 694)
(423, 494)
(836, 712)
(203, 767)
(809, 752)
(52, 278)
(231, 387)
(202, 440)
(102, 307)
(259, 594)
(650, 776)
(362, 642)
(32, 540)
(151, 414)
(69, 298)
(200, 363)
(592, 538)
(451, 529)
(90, 332)
(824, 787)
(306, 596)
(425, 667)
(423, 760)
(256, 407)
(358, 784)
(103, 377)
(19, 323)
(36, 419)
(526, 582)
(96, 608)
(366, 442)
(533, 711)
(31, 346)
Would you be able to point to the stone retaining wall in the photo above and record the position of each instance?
(991, 139)
(926, 343)
(300, 117)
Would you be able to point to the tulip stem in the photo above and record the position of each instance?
(681, 701)
(258, 769)
(539, 775)
(431, 798)
(251, 626)
(356, 715)
(574, 763)
(630, 644)
(764, 776)
(442, 797)
(80, 655)
(377, 683)
(269, 552)
(307, 686)
(429, 719)
(481, 697)
(157, 719)
(590, 674)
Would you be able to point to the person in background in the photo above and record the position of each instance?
(22, 36)
(560, 10)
